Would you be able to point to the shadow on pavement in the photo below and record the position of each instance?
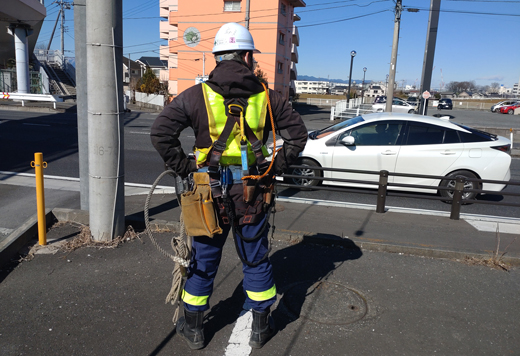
(303, 265)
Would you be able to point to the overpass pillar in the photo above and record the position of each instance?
(20, 32)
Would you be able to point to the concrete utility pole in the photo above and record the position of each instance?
(429, 52)
(247, 13)
(53, 30)
(393, 60)
(105, 118)
(62, 31)
(80, 44)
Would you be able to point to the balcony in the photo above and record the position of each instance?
(295, 36)
(174, 33)
(294, 53)
(294, 72)
(174, 5)
(164, 29)
(173, 61)
(164, 52)
(164, 12)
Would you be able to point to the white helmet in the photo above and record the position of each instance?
(233, 37)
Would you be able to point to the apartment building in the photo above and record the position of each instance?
(190, 28)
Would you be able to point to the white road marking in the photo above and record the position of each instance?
(140, 132)
(491, 226)
(25, 123)
(239, 339)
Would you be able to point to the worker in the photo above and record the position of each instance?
(231, 115)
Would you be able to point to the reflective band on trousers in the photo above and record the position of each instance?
(261, 296)
(194, 300)
(217, 117)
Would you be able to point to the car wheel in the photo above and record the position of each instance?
(450, 183)
(306, 174)
(510, 111)
(411, 111)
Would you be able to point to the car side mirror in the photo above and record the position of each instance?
(348, 140)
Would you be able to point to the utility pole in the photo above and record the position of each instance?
(80, 44)
(53, 30)
(429, 52)
(247, 13)
(203, 64)
(105, 118)
(393, 60)
(62, 32)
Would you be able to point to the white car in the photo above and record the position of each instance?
(398, 106)
(497, 106)
(402, 143)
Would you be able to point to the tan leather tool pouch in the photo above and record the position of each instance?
(200, 216)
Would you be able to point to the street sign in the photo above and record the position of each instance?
(426, 95)
(5, 95)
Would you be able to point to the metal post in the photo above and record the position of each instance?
(105, 118)
(457, 198)
(247, 13)
(38, 166)
(352, 55)
(363, 86)
(393, 60)
(381, 191)
(80, 34)
(429, 51)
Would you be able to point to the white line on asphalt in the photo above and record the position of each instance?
(5, 231)
(239, 339)
(25, 123)
(140, 132)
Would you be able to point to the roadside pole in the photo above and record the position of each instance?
(393, 61)
(105, 118)
(80, 35)
(429, 51)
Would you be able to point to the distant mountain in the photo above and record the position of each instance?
(311, 78)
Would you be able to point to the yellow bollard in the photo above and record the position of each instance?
(38, 166)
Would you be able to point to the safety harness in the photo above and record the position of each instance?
(217, 161)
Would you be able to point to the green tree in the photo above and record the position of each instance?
(149, 83)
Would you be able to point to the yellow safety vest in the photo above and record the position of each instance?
(217, 117)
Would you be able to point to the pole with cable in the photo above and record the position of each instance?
(352, 55)
(393, 60)
(247, 13)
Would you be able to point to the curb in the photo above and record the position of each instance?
(21, 236)
(39, 109)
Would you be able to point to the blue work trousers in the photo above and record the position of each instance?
(206, 252)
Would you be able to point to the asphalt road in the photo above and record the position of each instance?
(23, 133)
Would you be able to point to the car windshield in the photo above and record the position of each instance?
(335, 128)
(380, 99)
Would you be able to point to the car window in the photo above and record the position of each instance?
(425, 134)
(375, 134)
(335, 128)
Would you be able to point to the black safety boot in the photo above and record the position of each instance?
(190, 327)
(262, 329)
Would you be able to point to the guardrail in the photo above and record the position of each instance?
(382, 192)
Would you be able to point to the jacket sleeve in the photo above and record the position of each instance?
(289, 126)
(165, 136)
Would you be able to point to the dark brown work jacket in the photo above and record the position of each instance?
(231, 79)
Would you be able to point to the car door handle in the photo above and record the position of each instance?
(447, 153)
(389, 153)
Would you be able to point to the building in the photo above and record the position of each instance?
(132, 75)
(190, 28)
(311, 87)
(158, 66)
(20, 21)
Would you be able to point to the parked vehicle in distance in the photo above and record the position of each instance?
(510, 109)
(445, 104)
(412, 100)
(410, 144)
(398, 106)
(497, 106)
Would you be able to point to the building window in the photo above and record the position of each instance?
(281, 39)
(283, 9)
(231, 5)
(280, 67)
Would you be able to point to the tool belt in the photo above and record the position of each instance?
(200, 217)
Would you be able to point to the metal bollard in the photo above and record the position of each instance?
(457, 198)
(381, 192)
(38, 166)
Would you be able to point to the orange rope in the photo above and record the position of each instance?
(274, 139)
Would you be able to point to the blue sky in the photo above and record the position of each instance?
(477, 40)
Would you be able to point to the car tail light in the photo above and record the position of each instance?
(503, 148)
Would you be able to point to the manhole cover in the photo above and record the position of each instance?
(325, 302)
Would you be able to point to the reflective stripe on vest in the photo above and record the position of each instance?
(217, 117)
(261, 296)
